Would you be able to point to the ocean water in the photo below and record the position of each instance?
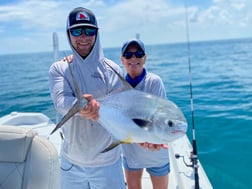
(222, 95)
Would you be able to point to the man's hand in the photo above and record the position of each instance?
(91, 110)
(69, 58)
(153, 147)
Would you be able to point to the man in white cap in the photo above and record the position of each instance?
(83, 166)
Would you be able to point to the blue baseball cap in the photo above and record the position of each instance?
(134, 41)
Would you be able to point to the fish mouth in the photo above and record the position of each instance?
(182, 127)
(178, 131)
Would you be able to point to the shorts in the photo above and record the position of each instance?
(153, 171)
(79, 177)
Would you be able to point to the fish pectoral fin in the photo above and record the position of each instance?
(141, 122)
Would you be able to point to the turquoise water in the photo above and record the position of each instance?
(222, 92)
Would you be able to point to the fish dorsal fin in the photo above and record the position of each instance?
(142, 122)
(125, 83)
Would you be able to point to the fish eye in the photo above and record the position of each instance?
(170, 123)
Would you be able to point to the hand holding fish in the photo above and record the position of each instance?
(91, 110)
(153, 147)
(69, 58)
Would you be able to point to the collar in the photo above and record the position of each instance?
(138, 79)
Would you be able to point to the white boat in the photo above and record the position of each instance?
(37, 121)
(181, 175)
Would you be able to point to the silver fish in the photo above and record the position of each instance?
(133, 116)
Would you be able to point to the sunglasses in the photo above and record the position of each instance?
(76, 32)
(129, 55)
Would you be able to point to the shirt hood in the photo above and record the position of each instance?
(94, 57)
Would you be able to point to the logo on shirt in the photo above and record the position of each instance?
(82, 16)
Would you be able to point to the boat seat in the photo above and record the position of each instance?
(27, 160)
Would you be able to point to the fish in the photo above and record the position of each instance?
(134, 116)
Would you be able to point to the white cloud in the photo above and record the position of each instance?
(33, 22)
(227, 12)
(223, 19)
(156, 22)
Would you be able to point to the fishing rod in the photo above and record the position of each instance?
(194, 154)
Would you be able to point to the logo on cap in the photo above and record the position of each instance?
(82, 16)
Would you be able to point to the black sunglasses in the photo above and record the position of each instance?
(89, 31)
(129, 55)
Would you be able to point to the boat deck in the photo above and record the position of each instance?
(180, 177)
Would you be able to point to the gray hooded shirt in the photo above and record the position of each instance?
(84, 139)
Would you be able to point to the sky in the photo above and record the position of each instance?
(27, 25)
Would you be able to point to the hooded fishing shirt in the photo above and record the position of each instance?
(137, 156)
(84, 139)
